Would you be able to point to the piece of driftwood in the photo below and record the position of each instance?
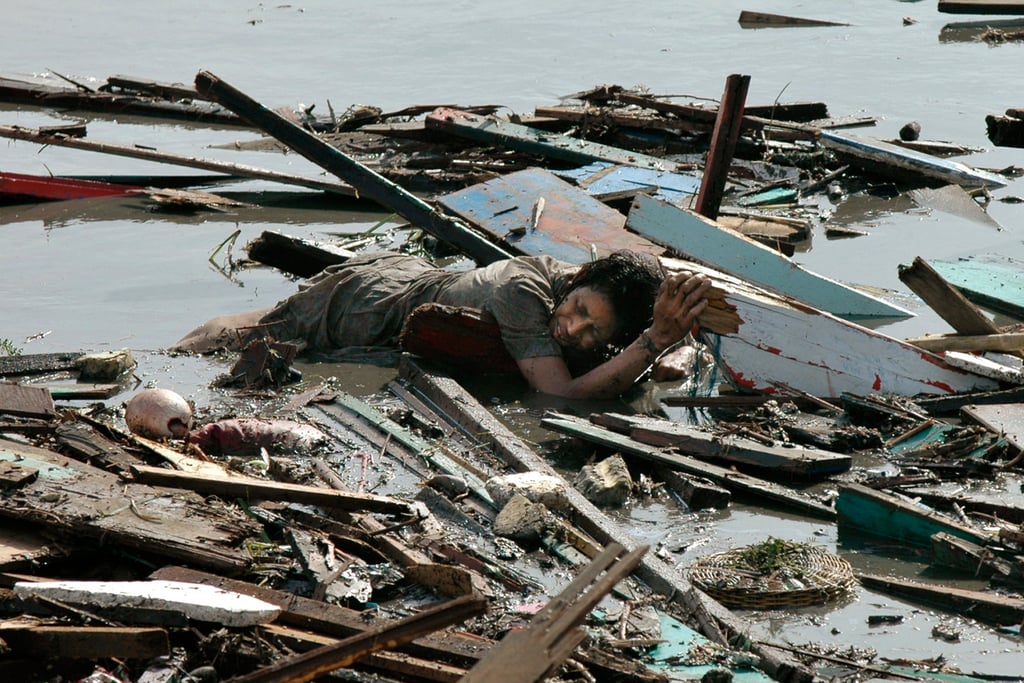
(723, 143)
(537, 650)
(729, 478)
(701, 239)
(990, 608)
(367, 182)
(981, 6)
(1011, 342)
(749, 19)
(46, 94)
(387, 664)
(885, 515)
(310, 665)
(697, 492)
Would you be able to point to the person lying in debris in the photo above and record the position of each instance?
(613, 317)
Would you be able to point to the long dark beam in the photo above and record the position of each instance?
(367, 182)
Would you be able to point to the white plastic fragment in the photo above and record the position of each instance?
(194, 600)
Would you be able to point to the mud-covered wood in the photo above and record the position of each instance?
(85, 642)
(86, 503)
(25, 401)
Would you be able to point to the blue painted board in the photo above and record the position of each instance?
(569, 224)
(604, 179)
(995, 282)
(670, 656)
(702, 240)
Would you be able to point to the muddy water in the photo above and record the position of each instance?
(117, 273)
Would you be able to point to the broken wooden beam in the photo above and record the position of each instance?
(310, 665)
(723, 143)
(367, 182)
(251, 488)
(990, 608)
(84, 642)
(534, 652)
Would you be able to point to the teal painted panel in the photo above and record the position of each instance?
(881, 515)
(665, 657)
(47, 470)
(995, 282)
(703, 240)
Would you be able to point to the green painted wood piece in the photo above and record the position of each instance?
(881, 514)
(995, 282)
(670, 656)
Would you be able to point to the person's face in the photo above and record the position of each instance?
(584, 321)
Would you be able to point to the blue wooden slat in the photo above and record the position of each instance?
(569, 224)
(602, 179)
(703, 240)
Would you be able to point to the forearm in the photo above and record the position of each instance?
(549, 374)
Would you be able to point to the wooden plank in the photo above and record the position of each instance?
(24, 187)
(786, 460)
(492, 130)
(202, 603)
(334, 620)
(950, 304)
(981, 6)
(722, 146)
(1001, 610)
(367, 182)
(882, 514)
(900, 162)
(25, 401)
(701, 239)
(569, 224)
(535, 651)
(729, 478)
(251, 488)
(749, 19)
(1002, 341)
(995, 282)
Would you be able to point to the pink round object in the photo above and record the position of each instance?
(158, 414)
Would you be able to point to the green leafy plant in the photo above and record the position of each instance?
(7, 348)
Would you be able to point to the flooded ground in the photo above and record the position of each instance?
(112, 273)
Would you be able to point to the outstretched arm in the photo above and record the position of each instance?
(680, 299)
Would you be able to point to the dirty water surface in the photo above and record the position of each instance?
(115, 273)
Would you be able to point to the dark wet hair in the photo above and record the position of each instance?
(630, 280)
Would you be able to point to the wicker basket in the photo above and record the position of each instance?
(772, 575)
